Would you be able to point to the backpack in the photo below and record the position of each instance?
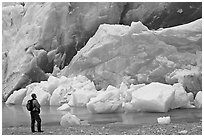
(29, 105)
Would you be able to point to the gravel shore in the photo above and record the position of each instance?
(182, 128)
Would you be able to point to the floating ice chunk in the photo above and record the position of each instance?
(164, 120)
(105, 107)
(69, 119)
(198, 100)
(106, 102)
(17, 97)
(155, 97)
(64, 107)
(104, 96)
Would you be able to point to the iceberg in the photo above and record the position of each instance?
(154, 97)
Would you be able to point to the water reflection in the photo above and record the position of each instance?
(18, 115)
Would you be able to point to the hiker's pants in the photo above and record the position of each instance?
(35, 117)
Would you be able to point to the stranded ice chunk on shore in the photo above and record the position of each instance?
(69, 119)
(155, 97)
(164, 120)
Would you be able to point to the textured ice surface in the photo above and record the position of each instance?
(17, 97)
(155, 97)
(64, 107)
(164, 120)
(181, 98)
(134, 54)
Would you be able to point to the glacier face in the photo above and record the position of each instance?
(39, 38)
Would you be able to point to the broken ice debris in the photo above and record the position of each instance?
(164, 120)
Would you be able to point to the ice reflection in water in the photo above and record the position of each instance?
(18, 115)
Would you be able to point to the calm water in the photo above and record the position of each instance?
(18, 116)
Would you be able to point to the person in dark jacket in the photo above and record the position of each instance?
(35, 114)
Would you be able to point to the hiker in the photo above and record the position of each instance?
(34, 113)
